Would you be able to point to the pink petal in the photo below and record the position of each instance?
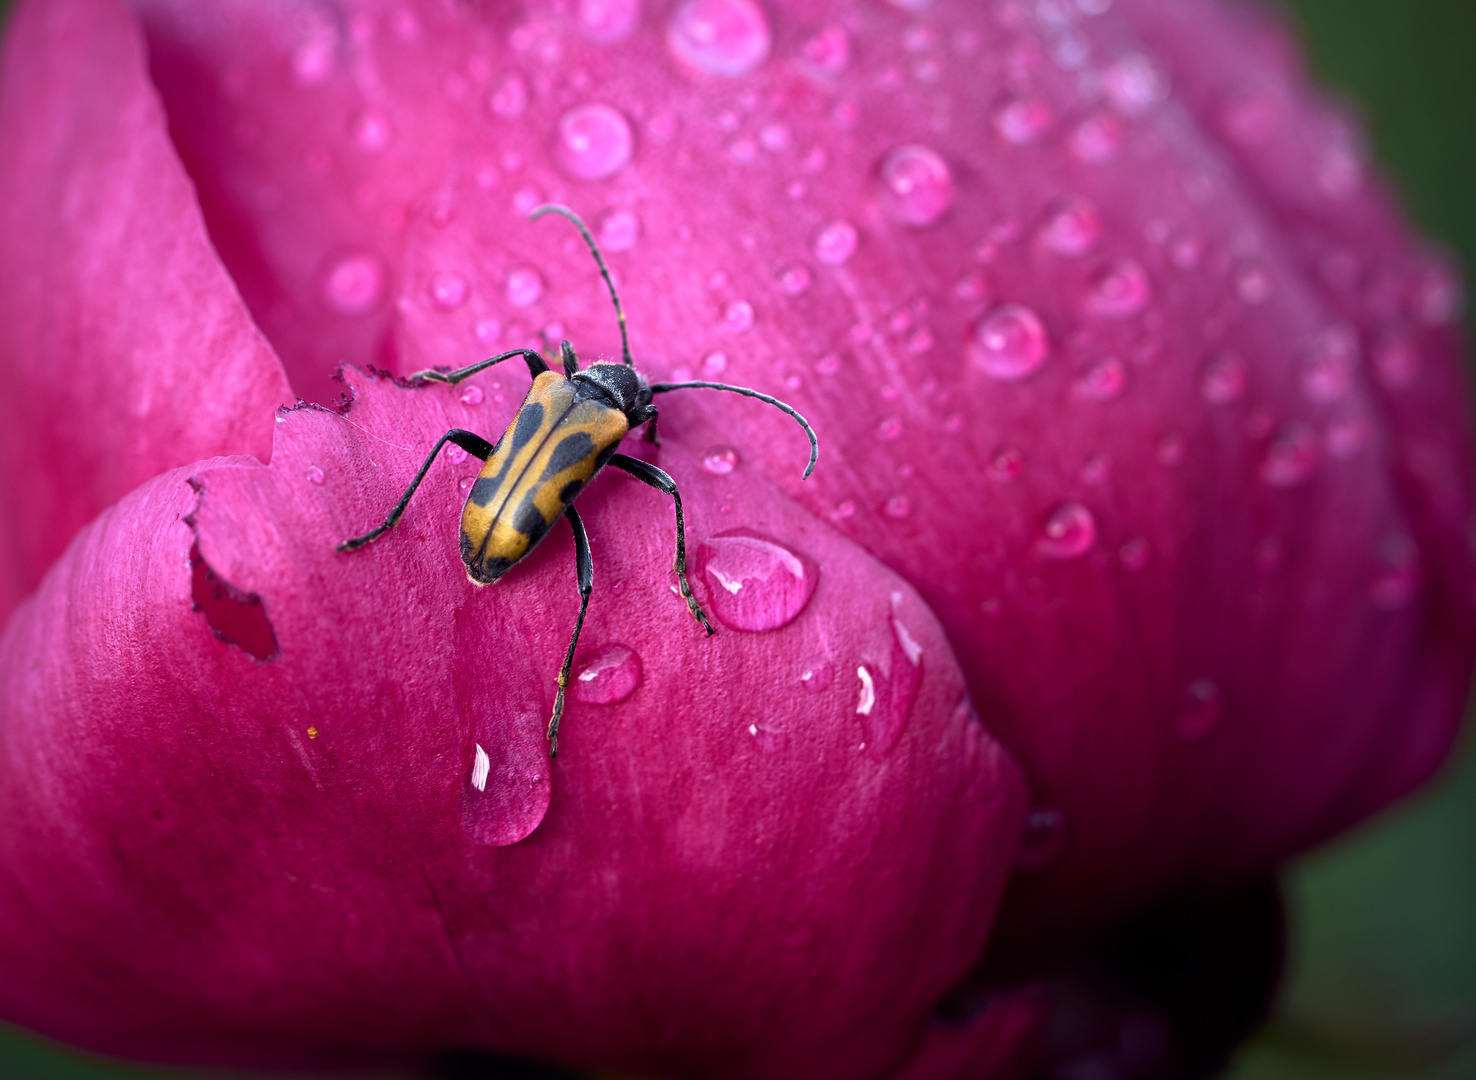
(213, 857)
(124, 346)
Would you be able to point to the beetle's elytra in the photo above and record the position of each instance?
(567, 429)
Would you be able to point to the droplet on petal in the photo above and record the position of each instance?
(720, 37)
(594, 143)
(720, 460)
(510, 98)
(524, 287)
(1009, 343)
(448, 290)
(1120, 291)
(794, 279)
(835, 243)
(618, 229)
(1134, 84)
(916, 185)
(372, 131)
(1397, 577)
(1292, 457)
(816, 674)
(608, 677)
(827, 52)
(1097, 139)
(354, 283)
(1073, 228)
(754, 582)
(1328, 372)
(1224, 379)
(1103, 382)
(737, 316)
(1022, 121)
(1069, 532)
(607, 22)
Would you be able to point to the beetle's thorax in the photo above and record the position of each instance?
(617, 385)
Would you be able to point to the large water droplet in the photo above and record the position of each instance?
(1292, 457)
(595, 142)
(354, 283)
(816, 674)
(1224, 379)
(507, 784)
(1120, 291)
(607, 677)
(1069, 532)
(885, 694)
(754, 582)
(618, 229)
(608, 21)
(827, 52)
(835, 243)
(1200, 709)
(1009, 343)
(1073, 228)
(720, 37)
(448, 290)
(1103, 382)
(1023, 120)
(524, 287)
(1043, 840)
(916, 186)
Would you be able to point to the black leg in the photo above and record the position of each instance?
(788, 410)
(659, 480)
(469, 441)
(585, 567)
(537, 365)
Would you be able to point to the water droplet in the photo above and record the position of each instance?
(1120, 290)
(714, 364)
(1043, 839)
(524, 287)
(844, 509)
(607, 22)
(816, 674)
(720, 460)
(1200, 709)
(915, 185)
(737, 316)
(372, 131)
(827, 52)
(1134, 554)
(618, 229)
(1224, 379)
(313, 60)
(719, 37)
(1170, 450)
(754, 582)
(448, 290)
(595, 142)
(1396, 579)
(608, 677)
(1292, 457)
(971, 288)
(1348, 436)
(1009, 343)
(1397, 362)
(355, 283)
(1097, 139)
(1134, 84)
(510, 98)
(775, 137)
(1069, 532)
(897, 507)
(835, 243)
(472, 395)
(829, 364)
(1006, 464)
(1327, 373)
(794, 279)
(1104, 382)
(1096, 470)
(1023, 120)
(1073, 228)
(455, 454)
(1253, 284)
(889, 428)
(316, 475)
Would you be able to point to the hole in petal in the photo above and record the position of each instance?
(237, 618)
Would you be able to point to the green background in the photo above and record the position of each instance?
(1382, 968)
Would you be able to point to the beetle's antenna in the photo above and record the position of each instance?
(564, 211)
(663, 387)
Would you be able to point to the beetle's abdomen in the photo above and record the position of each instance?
(553, 447)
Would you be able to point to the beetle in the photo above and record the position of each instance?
(568, 428)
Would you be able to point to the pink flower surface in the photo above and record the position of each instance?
(1136, 557)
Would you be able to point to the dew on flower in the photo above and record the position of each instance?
(1292, 457)
(720, 460)
(897, 507)
(755, 583)
(835, 243)
(915, 185)
(617, 229)
(1224, 379)
(1069, 532)
(371, 131)
(448, 290)
(524, 287)
(816, 674)
(737, 316)
(594, 143)
(889, 428)
(316, 475)
(827, 52)
(794, 279)
(608, 22)
(1097, 139)
(719, 37)
(1103, 382)
(354, 283)
(1009, 343)
(472, 395)
(1120, 290)
(1073, 228)
(608, 677)
(1022, 121)
(509, 98)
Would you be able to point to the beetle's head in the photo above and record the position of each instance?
(626, 390)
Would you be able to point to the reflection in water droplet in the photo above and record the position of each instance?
(354, 283)
(510, 98)
(507, 784)
(720, 460)
(594, 143)
(617, 230)
(1096, 470)
(835, 243)
(316, 475)
(1073, 228)
(1397, 578)
(827, 52)
(1009, 343)
(1024, 120)
(754, 582)
(719, 37)
(1043, 839)
(524, 287)
(608, 21)
(915, 184)
(794, 279)
(1224, 379)
(1103, 382)
(816, 674)
(448, 290)
(1200, 710)
(1120, 290)
(1292, 457)
(1069, 532)
(607, 677)
(714, 364)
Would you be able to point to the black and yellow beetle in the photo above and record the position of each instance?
(566, 431)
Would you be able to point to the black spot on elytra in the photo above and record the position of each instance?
(569, 490)
(530, 419)
(483, 490)
(489, 570)
(572, 449)
(528, 519)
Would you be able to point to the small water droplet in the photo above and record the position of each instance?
(465, 483)
(1007, 463)
(1097, 139)
(1120, 290)
(608, 677)
(1134, 554)
(1170, 450)
(737, 316)
(844, 509)
(897, 507)
(889, 428)
(816, 674)
(835, 243)
(1023, 120)
(1104, 382)
(719, 37)
(1096, 470)
(1397, 576)
(1009, 343)
(509, 98)
(1348, 436)
(455, 454)
(971, 288)
(714, 363)
(355, 283)
(316, 475)
(1134, 84)
(1069, 532)
(1292, 457)
(827, 52)
(472, 395)
(617, 229)
(720, 460)
(1224, 379)
(524, 287)
(829, 364)
(448, 290)
(754, 582)
(916, 186)
(1073, 228)
(372, 131)
(794, 279)
(1200, 709)
(1043, 839)
(1327, 372)
(313, 60)
(608, 22)
(775, 137)
(595, 142)
(1253, 284)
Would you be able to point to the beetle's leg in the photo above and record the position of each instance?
(650, 474)
(537, 365)
(469, 441)
(585, 566)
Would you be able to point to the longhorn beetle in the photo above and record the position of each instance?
(565, 432)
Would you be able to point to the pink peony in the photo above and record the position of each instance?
(1136, 558)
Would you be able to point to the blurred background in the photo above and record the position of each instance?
(1381, 976)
